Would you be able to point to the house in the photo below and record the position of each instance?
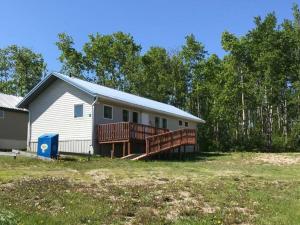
(13, 123)
(94, 118)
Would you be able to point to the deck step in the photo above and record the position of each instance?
(140, 156)
(130, 156)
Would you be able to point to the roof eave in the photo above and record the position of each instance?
(14, 109)
(197, 120)
(24, 102)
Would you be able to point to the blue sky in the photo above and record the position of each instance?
(35, 24)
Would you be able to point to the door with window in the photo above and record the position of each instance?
(145, 119)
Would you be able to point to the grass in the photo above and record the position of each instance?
(215, 188)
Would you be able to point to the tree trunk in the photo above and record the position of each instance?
(198, 106)
(270, 128)
(285, 124)
(249, 123)
(278, 118)
(262, 120)
(298, 107)
(243, 107)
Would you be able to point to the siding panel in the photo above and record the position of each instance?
(13, 129)
(172, 122)
(53, 112)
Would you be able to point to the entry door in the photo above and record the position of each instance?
(145, 118)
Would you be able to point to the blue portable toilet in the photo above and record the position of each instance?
(48, 146)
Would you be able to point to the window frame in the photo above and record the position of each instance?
(112, 112)
(164, 119)
(3, 114)
(137, 113)
(180, 123)
(155, 125)
(128, 115)
(75, 105)
(186, 124)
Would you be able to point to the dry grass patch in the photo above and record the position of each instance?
(278, 159)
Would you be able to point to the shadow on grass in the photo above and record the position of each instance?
(187, 157)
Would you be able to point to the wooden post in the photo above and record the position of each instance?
(184, 150)
(147, 146)
(173, 153)
(112, 153)
(124, 148)
(179, 152)
(129, 148)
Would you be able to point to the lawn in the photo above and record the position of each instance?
(212, 188)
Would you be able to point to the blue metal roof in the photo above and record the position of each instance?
(114, 95)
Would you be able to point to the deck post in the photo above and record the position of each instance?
(179, 152)
(147, 146)
(129, 148)
(112, 153)
(124, 148)
(184, 151)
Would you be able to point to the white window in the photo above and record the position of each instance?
(186, 124)
(135, 117)
(157, 122)
(180, 123)
(164, 123)
(78, 110)
(125, 115)
(107, 112)
(1, 114)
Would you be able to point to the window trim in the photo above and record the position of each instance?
(77, 117)
(137, 116)
(186, 124)
(179, 123)
(123, 115)
(3, 115)
(158, 121)
(163, 123)
(112, 112)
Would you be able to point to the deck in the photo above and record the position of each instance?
(126, 131)
(154, 139)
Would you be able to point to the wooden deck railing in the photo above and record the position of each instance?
(170, 140)
(126, 131)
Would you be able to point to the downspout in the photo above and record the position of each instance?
(28, 132)
(93, 125)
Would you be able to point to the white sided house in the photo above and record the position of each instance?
(13, 123)
(88, 116)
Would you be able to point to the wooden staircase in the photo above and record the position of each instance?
(167, 141)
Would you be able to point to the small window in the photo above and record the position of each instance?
(157, 121)
(180, 122)
(164, 123)
(78, 110)
(125, 115)
(186, 124)
(1, 114)
(107, 112)
(135, 117)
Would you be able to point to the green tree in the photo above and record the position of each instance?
(20, 70)
(155, 78)
(110, 60)
(72, 60)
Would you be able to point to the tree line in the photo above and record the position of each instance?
(250, 98)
